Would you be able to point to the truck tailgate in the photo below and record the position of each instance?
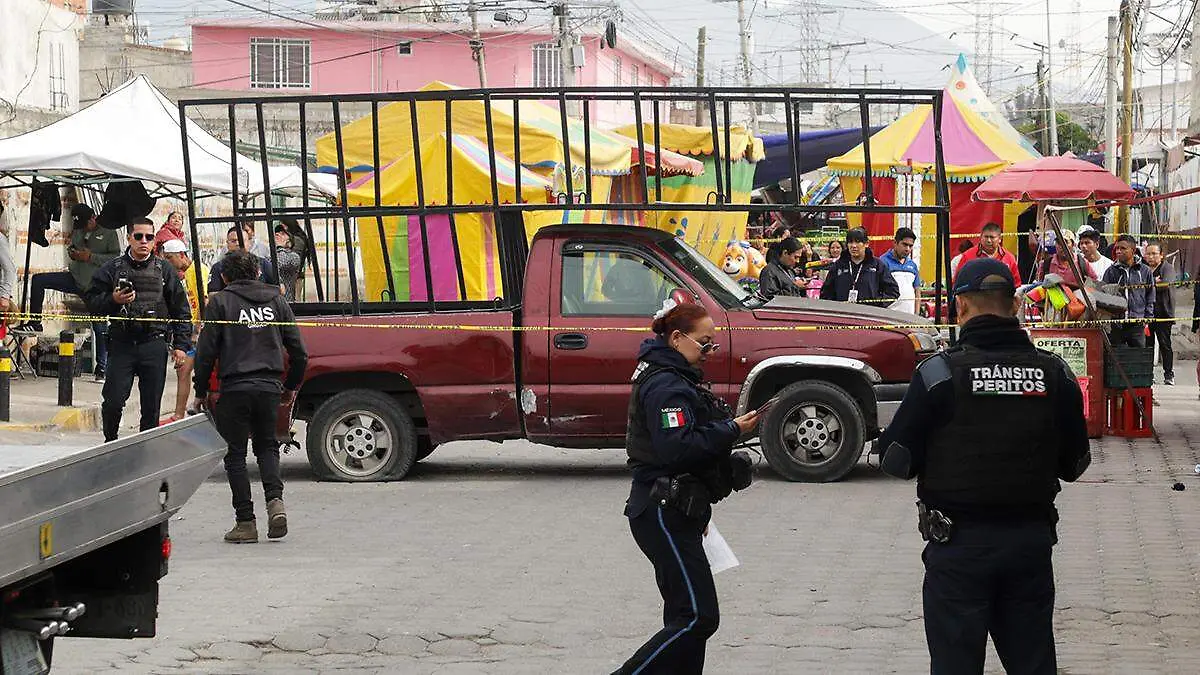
(57, 503)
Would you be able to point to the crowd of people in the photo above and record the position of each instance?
(231, 354)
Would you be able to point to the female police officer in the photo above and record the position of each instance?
(679, 436)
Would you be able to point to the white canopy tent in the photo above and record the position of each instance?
(133, 132)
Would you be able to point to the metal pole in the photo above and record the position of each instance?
(1050, 85)
(5, 384)
(565, 55)
(744, 39)
(66, 367)
(477, 44)
(1042, 107)
(701, 44)
(1110, 99)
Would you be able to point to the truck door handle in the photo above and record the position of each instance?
(570, 341)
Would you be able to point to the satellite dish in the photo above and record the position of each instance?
(610, 34)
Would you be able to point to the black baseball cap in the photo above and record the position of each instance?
(984, 274)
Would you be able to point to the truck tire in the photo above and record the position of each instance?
(814, 433)
(361, 435)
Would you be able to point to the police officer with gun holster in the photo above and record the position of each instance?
(150, 320)
(680, 442)
(989, 428)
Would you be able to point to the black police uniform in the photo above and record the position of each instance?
(138, 343)
(679, 435)
(988, 428)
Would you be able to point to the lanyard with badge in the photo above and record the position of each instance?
(853, 296)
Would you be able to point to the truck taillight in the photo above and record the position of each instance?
(166, 548)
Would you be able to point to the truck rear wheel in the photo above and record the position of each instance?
(814, 433)
(361, 435)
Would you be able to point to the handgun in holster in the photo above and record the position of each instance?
(684, 493)
(933, 525)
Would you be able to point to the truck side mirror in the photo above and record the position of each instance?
(682, 296)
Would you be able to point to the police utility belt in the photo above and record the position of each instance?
(933, 525)
(684, 493)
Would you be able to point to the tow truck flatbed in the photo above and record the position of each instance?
(59, 503)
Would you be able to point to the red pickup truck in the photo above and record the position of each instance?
(551, 362)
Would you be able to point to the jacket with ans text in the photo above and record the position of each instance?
(247, 328)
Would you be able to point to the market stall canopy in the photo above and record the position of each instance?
(133, 132)
(973, 148)
(542, 145)
(966, 90)
(698, 141)
(1052, 178)
(815, 149)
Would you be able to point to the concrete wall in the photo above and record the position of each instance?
(108, 57)
(37, 39)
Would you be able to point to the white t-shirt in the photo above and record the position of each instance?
(1100, 265)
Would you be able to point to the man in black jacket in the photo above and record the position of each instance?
(147, 308)
(248, 326)
(858, 276)
(989, 428)
(1164, 309)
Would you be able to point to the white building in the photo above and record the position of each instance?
(39, 58)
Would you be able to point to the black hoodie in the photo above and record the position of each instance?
(871, 278)
(247, 327)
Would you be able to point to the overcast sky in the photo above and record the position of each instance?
(951, 24)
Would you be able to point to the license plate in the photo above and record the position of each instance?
(20, 654)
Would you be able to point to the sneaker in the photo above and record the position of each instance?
(243, 533)
(28, 327)
(276, 519)
(99, 374)
(1169, 380)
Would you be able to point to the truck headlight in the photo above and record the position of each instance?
(923, 342)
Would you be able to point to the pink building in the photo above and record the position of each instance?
(379, 56)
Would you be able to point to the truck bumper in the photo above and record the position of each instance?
(887, 401)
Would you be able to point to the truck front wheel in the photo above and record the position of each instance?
(361, 435)
(814, 433)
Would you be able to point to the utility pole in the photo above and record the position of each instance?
(566, 55)
(1041, 105)
(1122, 225)
(477, 43)
(1110, 99)
(1050, 85)
(1175, 101)
(744, 39)
(701, 44)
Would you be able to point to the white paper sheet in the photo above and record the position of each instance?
(720, 556)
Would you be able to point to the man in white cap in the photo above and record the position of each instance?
(176, 252)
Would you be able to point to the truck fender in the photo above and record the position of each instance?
(861, 368)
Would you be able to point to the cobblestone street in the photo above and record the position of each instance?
(516, 559)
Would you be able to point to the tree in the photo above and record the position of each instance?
(1071, 136)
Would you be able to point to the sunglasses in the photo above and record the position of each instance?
(142, 236)
(705, 347)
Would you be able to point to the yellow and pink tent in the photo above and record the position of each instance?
(477, 252)
(708, 231)
(973, 150)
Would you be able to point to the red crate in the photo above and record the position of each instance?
(1122, 415)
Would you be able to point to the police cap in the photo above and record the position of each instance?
(984, 274)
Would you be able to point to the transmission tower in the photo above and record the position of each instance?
(1072, 48)
(985, 24)
(809, 41)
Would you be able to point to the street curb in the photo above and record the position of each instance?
(77, 419)
(24, 426)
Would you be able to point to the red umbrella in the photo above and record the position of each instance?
(1051, 178)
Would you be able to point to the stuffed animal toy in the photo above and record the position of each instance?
(742, 261)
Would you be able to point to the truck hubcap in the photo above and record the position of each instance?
(359, 443)
(812, 433)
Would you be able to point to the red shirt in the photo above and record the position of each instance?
(165, 233)
(1003, 256)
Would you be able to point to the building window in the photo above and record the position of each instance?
(280, 63)
(805, 107)
(404, 48)
(633, 75)
(547, 65)
(617, 71)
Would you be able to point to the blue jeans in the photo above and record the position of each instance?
(64, 282)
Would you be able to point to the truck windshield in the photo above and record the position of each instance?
(727, 291)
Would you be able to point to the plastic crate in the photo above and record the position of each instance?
(1138, 363)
